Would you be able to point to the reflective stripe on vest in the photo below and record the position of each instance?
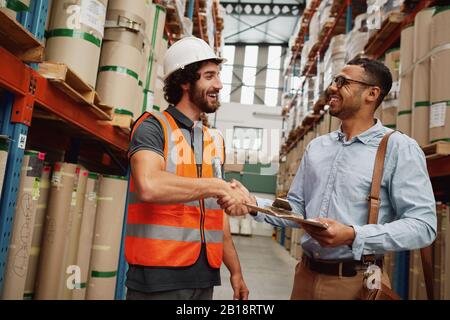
(170, 235)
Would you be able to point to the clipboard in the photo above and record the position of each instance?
(288, 215)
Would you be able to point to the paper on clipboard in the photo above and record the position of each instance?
(288, 215)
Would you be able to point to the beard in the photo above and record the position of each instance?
(200, 99)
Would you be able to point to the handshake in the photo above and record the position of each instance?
(234, 197)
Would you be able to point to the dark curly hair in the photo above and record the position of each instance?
(189, 74)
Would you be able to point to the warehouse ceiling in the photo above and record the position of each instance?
(261, 21)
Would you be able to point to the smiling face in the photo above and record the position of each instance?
(347, 101)
(205, 92)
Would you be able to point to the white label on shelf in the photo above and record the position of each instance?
(437, 114)
(22, 141)
(93, 14)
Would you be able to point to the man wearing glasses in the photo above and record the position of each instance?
(333, 182)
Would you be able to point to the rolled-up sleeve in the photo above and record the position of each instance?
(412, 199)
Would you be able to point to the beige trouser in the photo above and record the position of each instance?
(310, 285)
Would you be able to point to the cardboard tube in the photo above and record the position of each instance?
(440, 77)
(421, 77)
(107, 238)
(405, 100)
(86, 235)
(55, 231)
(22, 231)
(76, 207)
(44, 189)
(118, 78)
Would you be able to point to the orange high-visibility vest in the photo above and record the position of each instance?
(171, 235)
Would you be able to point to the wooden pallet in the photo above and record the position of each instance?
(121, 122)
(19, 41)
(437, 150)
(66, 80)
(392, 21)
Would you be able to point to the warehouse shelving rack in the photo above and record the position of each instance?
(26, 89)
(438, 165)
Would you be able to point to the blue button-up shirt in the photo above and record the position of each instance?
(334, 180)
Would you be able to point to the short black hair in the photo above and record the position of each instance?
(189, 74)
(376, 73)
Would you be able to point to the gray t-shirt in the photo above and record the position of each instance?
(150, 136)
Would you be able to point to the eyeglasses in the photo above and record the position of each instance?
(341, 81)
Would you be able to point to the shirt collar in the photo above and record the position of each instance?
(364, 137)
(180, 117)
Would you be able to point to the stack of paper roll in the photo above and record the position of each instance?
(76, 208)
(55, 231)
(107, 238)
(440, 76)
(405, 100)
(86, 235)
(44, 189)
(121, 57)
(154, 34)
(75, 35)
(421, 77)
(23, 227)
(4, 146)
(390, 103)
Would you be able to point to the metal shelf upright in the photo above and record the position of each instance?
(16, 128)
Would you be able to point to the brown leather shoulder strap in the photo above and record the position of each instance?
(374, 207)
(374, 197)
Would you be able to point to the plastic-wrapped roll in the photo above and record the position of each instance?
(107, 238)
(406, 81)
(55, 231)
(44, 189)
(86, 235)
(81, 177)
(440, 76)
(75, 35)
(22, 231)
(421, 77)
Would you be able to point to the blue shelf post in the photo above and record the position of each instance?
(34, 20)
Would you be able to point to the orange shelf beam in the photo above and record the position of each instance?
(18, 78)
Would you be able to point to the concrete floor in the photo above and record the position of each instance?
(267, 267)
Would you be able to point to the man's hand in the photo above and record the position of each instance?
(237, 209)
(337, 234)
(239, 287)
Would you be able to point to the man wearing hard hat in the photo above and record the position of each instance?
(177, 234)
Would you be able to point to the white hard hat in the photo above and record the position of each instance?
(186, 51)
